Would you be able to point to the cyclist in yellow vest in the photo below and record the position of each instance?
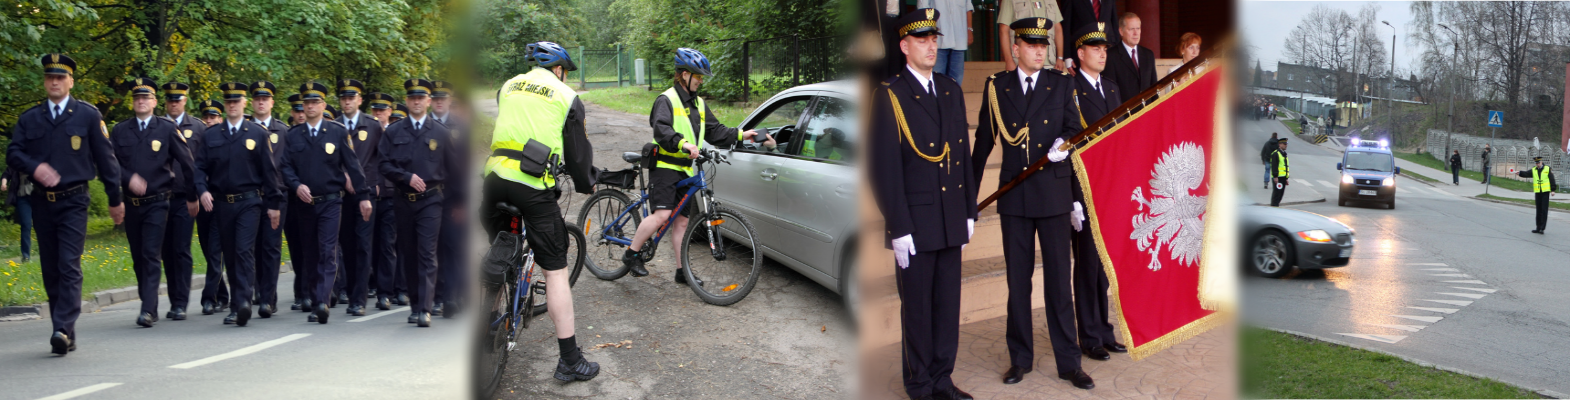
(1543, 187)
(1279, 170)
(539, 128)
(682, 123)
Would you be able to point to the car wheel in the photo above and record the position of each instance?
(1392, 204)
(1341, 201)
(850, 293)
(1272, 254)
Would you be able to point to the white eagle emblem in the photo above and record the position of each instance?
(1176, 217)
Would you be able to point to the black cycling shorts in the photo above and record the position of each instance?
(542, 219)
(663, 193)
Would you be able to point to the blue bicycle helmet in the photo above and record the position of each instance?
(549, 54)
(692, 61)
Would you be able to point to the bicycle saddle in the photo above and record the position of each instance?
(631, 157)
(509, 209)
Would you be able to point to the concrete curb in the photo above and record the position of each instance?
(106, 298)
(1293, 203)
(1515, 204)
(1541, 392)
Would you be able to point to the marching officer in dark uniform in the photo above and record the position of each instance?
(296, 111)
(1030, 112)
(452, 247)
(419, 156)
(384, 261)
(152, 154)
(215, 295)
(62, 143)
(1280, 169)
(212, 114)
(1543, 187)
(269, 245)
(301, 291)
(927, 193)
(319, 165)
(401, 281)
(237, 181)
(400, 111)
(1096, 95)
(356, 235)
(177, 234)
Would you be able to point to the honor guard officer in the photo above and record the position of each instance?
(269, 245)
(384, 261)
(62, 142)
(1280, 169)
(356, 235)
(152, 155)
(319, 165)
(1543, 187)
(215, 294)
(238, 181)
(212, 113)
(419, 156)
(450, 251)
(927, 195)
(177, 234)
(296, 110)
(1030, 112)
(1095, 96)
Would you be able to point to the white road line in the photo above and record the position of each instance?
(1408, 328)
(1392, 339)
(379, 315)
(1304, 182)
(1441, 310)
(1472, 282)
(1420, 318)
(1442, 269)
(1462, 303)
(241, 352)
(1327, 184)
(1474, 289)
(1428, 264)
(1453, 275)
(1467, 295)
(82, 391)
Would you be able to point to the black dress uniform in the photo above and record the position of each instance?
(384, 261)
(1026, 121)
(421, 148)
(215, 294)
(452, 247)
(177, 234)
(925, 190)
(71, 138)
(356, 235)
(269, 243)
(1094, 99)
(237, 170)
(1540, 191)
(156, 151)
(320, 157)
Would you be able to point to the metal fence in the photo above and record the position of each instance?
(744, 70)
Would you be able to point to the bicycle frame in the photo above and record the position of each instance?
(694, 184)
(523, 287)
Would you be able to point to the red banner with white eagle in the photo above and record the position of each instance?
(1147, 188)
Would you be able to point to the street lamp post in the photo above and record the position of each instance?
(1390, 98)
(1455, 52)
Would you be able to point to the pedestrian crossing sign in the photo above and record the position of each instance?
(1496, 119)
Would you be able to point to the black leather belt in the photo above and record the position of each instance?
(231, 198)
(417, 196)
(329, 196)
(139, 201)
(65, 194)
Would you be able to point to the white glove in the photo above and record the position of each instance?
(970, 231)
(1054, 154)
(1079, 217)
(904, 247)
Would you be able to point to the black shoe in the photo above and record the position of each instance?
(59, 343)
(295, 306)
(358, 311)
(306, 306)
(310, 317)
(1079, 378)
(370, 294)
(403, 300)
(582, 371)
(146, 320)
(321, 314)
(207, 308)
(332, 301)
(681, 277)
(414, 318)
(244, 315)
(229, 320)
(382, 303)
(438, 309)
(955, 393)
(1095, 353)
(26, 257)
(343, 298)
(424, 321)
(634, 261)
(1015, 375)
(1536, 231)
(177, 314)
(264, 311)
(1115, 347)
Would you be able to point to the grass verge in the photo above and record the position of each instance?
(1279, 365)
(1475, 176)
(1551, 204)
(1418, 176)
(637, 100)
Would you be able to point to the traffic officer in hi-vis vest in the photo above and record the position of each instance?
(177, 234)
(541, 118)
(152, 155)
(1095, 96)
(212, 114)
(920, 153)
(419, 156)
(450, 251)
(682, 123)
(1280, 169)
(1030, 112)
(387, 281)
(238, 181)
(355, 236)
(62, 143)
(319, 165)
(1543, 187)
(269, 243)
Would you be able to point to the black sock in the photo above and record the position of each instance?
(630, 253)
(569, 350)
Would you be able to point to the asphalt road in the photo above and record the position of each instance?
(1445, 279)
(379, 355)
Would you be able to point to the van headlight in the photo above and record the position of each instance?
(1346, 179)
(1390, 181)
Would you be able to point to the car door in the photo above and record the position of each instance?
(817, 184)
(748, 183)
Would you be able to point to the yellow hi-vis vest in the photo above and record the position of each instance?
(1540, 180)
(1282, 166)
(682, 125)
(534, 106)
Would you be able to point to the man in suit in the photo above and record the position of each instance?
(1081, 13)
(269, 243)
(177, 234)
(1131, 66)
(927, 195)
(1095, 97)
(153, 154)
(1030, 109)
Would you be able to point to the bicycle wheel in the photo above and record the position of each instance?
(492, 343)
(598, 218)
(564, 183)
(719, 257)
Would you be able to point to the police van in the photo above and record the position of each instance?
(1368, 173)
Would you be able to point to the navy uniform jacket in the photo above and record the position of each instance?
(159, 154)
(927, 199)
(190, 128)
(73, 145)
(233, 164)
(277, 135)
(319, 162)
(363, 139)
(1049, 114)
(429, 152)
(460, 138)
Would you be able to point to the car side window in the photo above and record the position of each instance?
(827, 133)
(780, 118)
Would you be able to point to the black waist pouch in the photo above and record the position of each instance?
(534, 160)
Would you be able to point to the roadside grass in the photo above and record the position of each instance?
(1292, 125)
(1418, 176)
(1551, 204)
(1279, 365)
(1475, 176)
(637, 100)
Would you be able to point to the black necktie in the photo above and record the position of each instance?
(351, 123)
(929, 89)
(416, 126)
(1098, 89)
(57, 111)
(313, 132)
(143, 126)
(1028, 86)
(233, 130)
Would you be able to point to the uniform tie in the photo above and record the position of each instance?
(1028, 86)
(57, 112)
(929, 89)
(233, 130)
(313, 132)
(142, 126)
(351, 124)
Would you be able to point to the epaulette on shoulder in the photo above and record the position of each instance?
(166, 118)
(891, 80)
(1062, 72)
(340, 124)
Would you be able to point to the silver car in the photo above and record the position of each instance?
(800, 195)
(1276, 239)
